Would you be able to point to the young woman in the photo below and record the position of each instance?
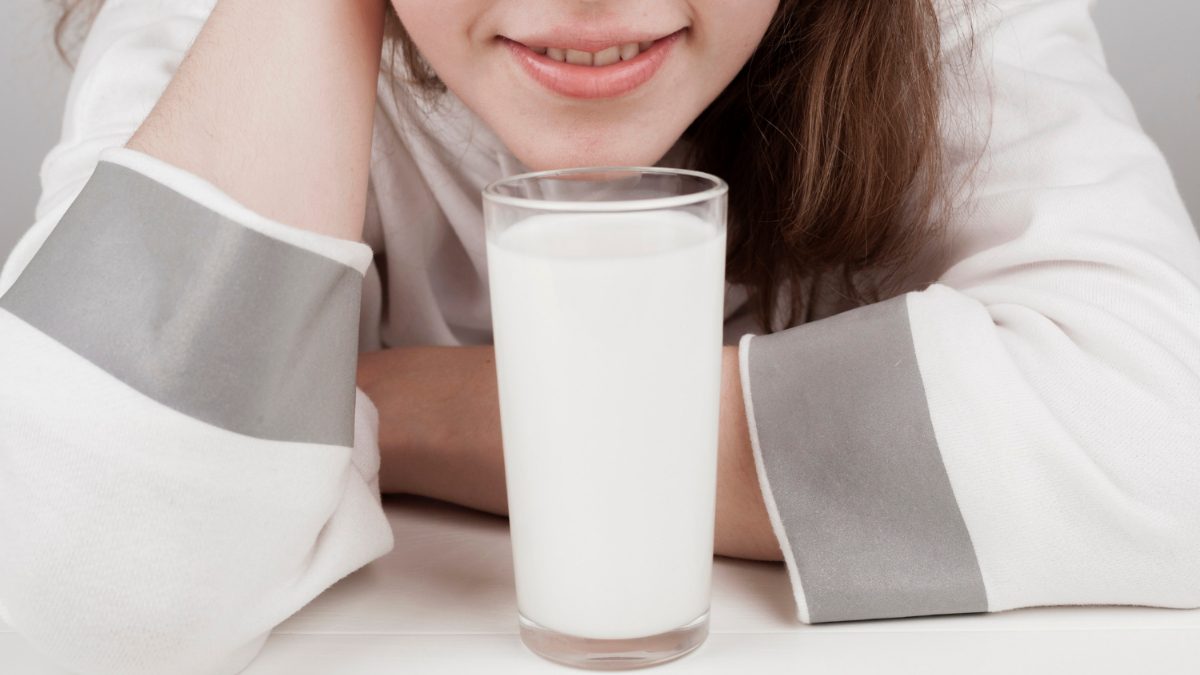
(976, 381)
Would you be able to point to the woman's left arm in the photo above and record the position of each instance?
(1026, 430)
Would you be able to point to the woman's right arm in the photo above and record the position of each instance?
(183, 458)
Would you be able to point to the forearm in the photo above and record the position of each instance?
(439, 434)
(439, 423)
(274, 104)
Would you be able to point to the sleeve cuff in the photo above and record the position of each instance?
(851, 472)
(180, 292)
(353, 254)
(781, 535)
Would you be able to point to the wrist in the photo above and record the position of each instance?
(743, 528)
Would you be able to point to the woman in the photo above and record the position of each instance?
(977, 381)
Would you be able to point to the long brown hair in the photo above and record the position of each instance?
(828, 137)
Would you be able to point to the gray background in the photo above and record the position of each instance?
(1152, 48)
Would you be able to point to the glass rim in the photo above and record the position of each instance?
(719, 188)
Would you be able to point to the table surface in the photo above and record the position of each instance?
(443, 602)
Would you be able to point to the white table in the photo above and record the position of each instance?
(443, 602)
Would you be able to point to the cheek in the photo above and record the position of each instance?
(441, 29)
(734, 28)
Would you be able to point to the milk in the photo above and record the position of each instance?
(608, 338)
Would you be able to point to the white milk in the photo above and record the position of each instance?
(608, 347)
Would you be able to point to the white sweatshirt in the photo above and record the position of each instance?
(184, 461)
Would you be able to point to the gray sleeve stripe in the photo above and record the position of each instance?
(215, 320)
(849, 452)
(760, 469)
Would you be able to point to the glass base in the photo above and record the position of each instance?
(627, 654)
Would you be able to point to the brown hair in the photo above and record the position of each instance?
(829, 141)
(828, 138)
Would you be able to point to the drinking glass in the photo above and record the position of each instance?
(607, 290)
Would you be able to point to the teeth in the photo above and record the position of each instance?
(605, 57)
(579, 58)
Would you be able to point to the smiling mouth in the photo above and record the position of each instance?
(614, 70)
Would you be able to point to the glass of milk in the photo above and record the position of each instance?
(607, 289)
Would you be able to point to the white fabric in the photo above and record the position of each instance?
(1060, 349)
(1060, 352)
(104, 579)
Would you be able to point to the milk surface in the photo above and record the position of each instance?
(608, 345)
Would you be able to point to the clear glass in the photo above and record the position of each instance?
(607, 293)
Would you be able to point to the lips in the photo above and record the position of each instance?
(580, 74)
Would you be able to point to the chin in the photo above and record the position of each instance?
(549, 159)
(549, 151)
